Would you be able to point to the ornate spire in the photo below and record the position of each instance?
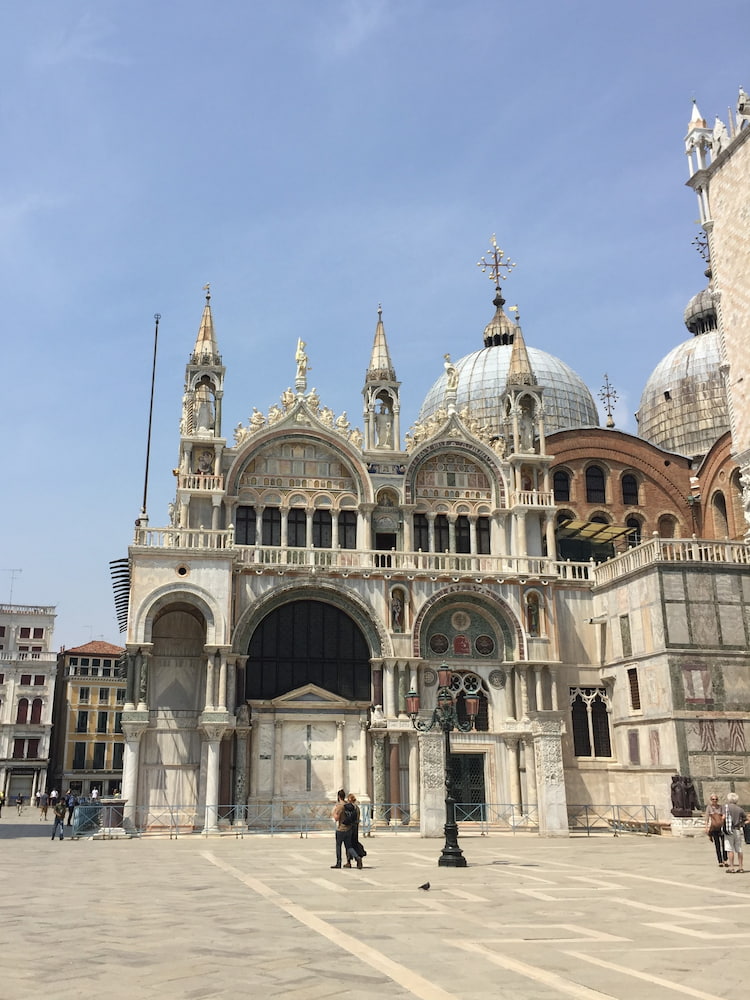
(381, 367)
(500, 329)
(520, 371)
(206, 350)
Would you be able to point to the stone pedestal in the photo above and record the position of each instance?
(110, 819)
(688, 826)
(431, 785)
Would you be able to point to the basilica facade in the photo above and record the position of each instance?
(586, 588)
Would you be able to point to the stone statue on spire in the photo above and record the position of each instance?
(300, 357)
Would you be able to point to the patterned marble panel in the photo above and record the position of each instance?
(727, 588)
(704, 624)
(701, 766)
(731, 765)
(732, 624)
(677, 627)
(699, 587)
(673, 587)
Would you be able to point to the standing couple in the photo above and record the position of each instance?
(346, 816)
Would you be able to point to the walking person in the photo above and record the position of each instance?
(2, 802)
(43, 804)
(734, 819)
(343, 819)
(71, 801)
(59, 824)
(19, 803)
(715, 829)
(359, 849)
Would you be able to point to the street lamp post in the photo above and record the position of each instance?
(445, 718)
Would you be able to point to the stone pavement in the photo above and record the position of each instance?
(529, 919)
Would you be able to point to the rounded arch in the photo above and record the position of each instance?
(176, 596)
(630, 488)
(720, 517)
(494, 490)
(501, 611)
(375, 635)
(596, 475)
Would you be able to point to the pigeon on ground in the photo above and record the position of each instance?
(425, 886)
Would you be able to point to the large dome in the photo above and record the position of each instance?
(684, 405)
(482, 380)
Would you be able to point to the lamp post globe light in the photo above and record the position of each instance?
(445, 718)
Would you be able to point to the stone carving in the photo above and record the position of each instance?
(274, 414)
(497, 678)
(432, 766)
(356, 438)
(429, 677)
(287, 398)
(549, 763)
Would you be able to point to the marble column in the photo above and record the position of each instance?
(241, 734)
(278, 760)
(402, 688)
(213, 743)
(378, 774)
(132, 732)
(364, 784)
(552, 801)
(210, 697)
(394, 764)
(413, 779)
(389, 689)
(339, 756)
(538, 689)
(514, 778)
(529, 756)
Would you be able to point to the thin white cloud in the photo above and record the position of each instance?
(87, 39)
(355, 21)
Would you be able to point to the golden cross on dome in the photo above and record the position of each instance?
(609, 396)
(497, 263)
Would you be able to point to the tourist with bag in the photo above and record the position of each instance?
(734, 819)
(715, 829)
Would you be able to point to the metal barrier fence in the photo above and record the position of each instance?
(304, 817)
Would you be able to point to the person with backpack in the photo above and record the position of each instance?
(344, 816)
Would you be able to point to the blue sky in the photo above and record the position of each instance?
(311, 159)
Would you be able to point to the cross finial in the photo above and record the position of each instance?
(701, 245)
(609, 397)
(207, 290)
(497, 263)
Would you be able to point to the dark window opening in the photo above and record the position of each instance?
(296, 528)
(561, 486)
(272, 526)
(347, 529)
(595, 484)
(322, 529)
(421, 533)
(244, 526)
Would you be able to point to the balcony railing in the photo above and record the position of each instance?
(430, 565)
(533, 498)
(672, 550)
(7, 655)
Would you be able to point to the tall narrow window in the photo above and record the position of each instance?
(272, 526)
(634, 747)
(635, 691)
(79, 756)
(101, 722)
(595, 484)
(629, 490)
(634, 535)
(36, 711)
(98, 762)
(32, 749)
(442, 534)
(23, 710)
(296, 531)
(463, 534)
(627, 645)
(117, 756)
(590, 718)
(244, 526)
(321, 527)
(421, 533)
(561, 486)
(483, 536)
(347, 529)
(82, 722)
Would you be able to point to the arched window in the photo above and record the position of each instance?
(590, 719)
(347, 529)
(296, 527)
(36, 711)
(629, 490)
(272, 526)
(244, 526)
(322, 534)
(719, 508)
(595, 484)
(463, 534)
(483, 536)
(667, 526)
(634, 535)
(421, 538)
(442, 535)
(561, 486)
(23, 710)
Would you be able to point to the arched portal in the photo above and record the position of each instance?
(308, 642)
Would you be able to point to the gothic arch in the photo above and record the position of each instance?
(375, 634)
(497, 605)
(173, 596)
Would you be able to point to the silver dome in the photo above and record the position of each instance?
(482, 379)
(683, 406)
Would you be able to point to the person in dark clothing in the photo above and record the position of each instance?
(60, 808)
(359, 849)
(343, 832)
(71, 801)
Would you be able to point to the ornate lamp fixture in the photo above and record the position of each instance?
(445, 718)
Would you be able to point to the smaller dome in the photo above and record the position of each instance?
(700, 312)
(683, 406)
